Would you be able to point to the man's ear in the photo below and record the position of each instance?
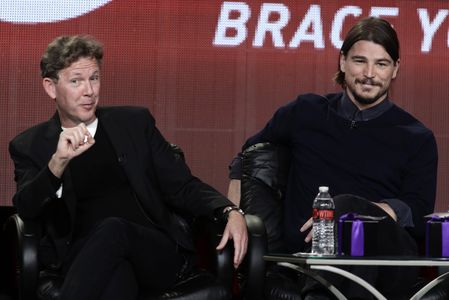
(49, 87)
(396, 68)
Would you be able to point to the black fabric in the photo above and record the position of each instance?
(283, 283)
(101, 187)
(22, 241)
(390, 156)
(391, 240)
(161, 182)
(265, 169)
(264, 180)
(55, 181)
(49, 285)
(265, 201)
(139, 165)
(198, 285)
(154, 258)
(123, 283)
(347, 109)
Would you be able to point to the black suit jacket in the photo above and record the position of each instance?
(163, 184)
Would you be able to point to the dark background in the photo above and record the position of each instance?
(208, 98)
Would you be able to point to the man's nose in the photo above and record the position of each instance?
(88, 88)
(369, 71)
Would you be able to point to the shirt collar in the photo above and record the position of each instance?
(92, 127)
(348, 110)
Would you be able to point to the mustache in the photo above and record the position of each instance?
(369, 81)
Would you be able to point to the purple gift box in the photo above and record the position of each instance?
(437, 235)
(357, 234)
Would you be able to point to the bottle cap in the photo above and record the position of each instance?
(323, 189)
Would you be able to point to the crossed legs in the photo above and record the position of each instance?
(120, 258)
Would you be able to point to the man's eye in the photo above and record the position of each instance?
(358, 60)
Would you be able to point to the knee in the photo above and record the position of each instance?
(349, 202)
(346, 203)
(112, 228)
(109, 239)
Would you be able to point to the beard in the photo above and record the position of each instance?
(363, 99)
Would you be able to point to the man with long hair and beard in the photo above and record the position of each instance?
(376, 158)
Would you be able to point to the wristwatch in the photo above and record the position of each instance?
(228, 209)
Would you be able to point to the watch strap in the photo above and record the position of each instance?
(228, 209)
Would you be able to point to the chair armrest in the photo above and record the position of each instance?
(23, 240)
(207, 234)
(255, 266)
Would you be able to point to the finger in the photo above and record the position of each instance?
(240, 246)
(237, 253)
(80, 131)
(71, 141)
(87, 138)
(83, 135)
(74, 137)
(90, 138)
(86, 146)
(306, 225)
(223, 241)
(308, 237)
(80, 137)
(244, 243)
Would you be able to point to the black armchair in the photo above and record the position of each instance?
(212, 279)
(264, 179)
(31, 282)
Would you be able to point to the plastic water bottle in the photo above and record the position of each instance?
(323, 238)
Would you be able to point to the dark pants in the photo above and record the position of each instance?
(393, 282)
(118, 260)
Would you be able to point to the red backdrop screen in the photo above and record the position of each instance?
(213, 72)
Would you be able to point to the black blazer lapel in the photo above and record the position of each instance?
(126, 153)
(129, 155)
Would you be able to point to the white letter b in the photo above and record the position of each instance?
(239, 24)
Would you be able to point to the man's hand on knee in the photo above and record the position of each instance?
(387, 208)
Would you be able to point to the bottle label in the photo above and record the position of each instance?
(323, 214)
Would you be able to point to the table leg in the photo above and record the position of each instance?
(429, 286)
(315, 276)
(352, 277)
